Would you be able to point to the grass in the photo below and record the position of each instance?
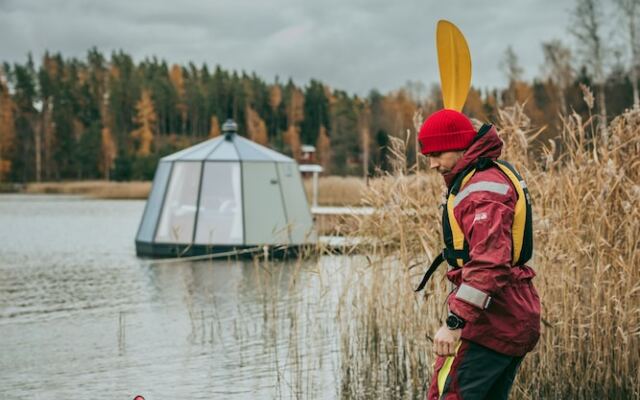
(587, 207)
(337, 190)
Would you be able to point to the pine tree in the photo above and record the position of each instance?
(316, 111)
(48, 82)
(345, 138)
(7, 130)
(177, 79)
(108, 146)
(194, 101)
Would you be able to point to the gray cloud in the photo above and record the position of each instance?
(353, 45)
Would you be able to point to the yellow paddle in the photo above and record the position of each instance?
(455, 65)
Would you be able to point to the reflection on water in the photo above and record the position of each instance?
(80, 315)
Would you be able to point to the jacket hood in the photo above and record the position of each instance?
(488, 145)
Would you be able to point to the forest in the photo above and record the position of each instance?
(110, 117)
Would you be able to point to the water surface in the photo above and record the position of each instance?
(81, 315)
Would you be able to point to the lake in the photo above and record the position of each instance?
(82, 316)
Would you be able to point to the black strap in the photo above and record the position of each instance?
(482, 131)
(452, 255)
(432, 268)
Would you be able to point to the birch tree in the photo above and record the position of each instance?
(587, 28)
(557, 68)
(630, 12)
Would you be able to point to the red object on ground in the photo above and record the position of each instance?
(138, 397)
(511, 323)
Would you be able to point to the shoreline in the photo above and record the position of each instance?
(97, 189)
(332, 190)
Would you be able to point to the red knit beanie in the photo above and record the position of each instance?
(446, 130)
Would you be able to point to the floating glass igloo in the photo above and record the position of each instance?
(227, 193)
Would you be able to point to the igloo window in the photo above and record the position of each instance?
(178, 213)
(220, 208)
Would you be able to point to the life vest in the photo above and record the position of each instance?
(456, 250)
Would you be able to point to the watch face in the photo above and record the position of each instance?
(453, 322)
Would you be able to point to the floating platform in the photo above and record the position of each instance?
(342, 210)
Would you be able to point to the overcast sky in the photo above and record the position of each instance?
(355, 45)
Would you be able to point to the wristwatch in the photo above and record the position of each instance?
(454, 322)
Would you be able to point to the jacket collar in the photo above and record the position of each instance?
(487, 145)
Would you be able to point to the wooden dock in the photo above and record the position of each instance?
(330, 221)
(342, 210)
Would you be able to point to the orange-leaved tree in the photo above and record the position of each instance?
(256, 127)
(323, 147)
(146, 121)
(295, 115)
(214, 130)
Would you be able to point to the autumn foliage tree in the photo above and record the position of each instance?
(146, 120)
(214, 130)
(295, 115)
(323, 147)
(256, 127)
(108, 152)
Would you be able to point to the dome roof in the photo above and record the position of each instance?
(229, 147)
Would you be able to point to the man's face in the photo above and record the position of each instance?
(444, 161)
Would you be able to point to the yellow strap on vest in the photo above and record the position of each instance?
(520, 215)
(456, 231)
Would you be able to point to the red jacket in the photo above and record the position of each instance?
(511, 323)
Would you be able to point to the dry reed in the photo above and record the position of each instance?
(332, 190)
(94, 189)
(587, 235)
(337, 190)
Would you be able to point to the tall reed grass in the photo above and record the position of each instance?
(336, 190)
(274, 324)
(587, 239)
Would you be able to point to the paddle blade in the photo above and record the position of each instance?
(454, 61)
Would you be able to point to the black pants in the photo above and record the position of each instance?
(474, 373)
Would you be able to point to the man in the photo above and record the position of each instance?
(494, 310)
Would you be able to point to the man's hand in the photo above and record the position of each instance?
(446, 341)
